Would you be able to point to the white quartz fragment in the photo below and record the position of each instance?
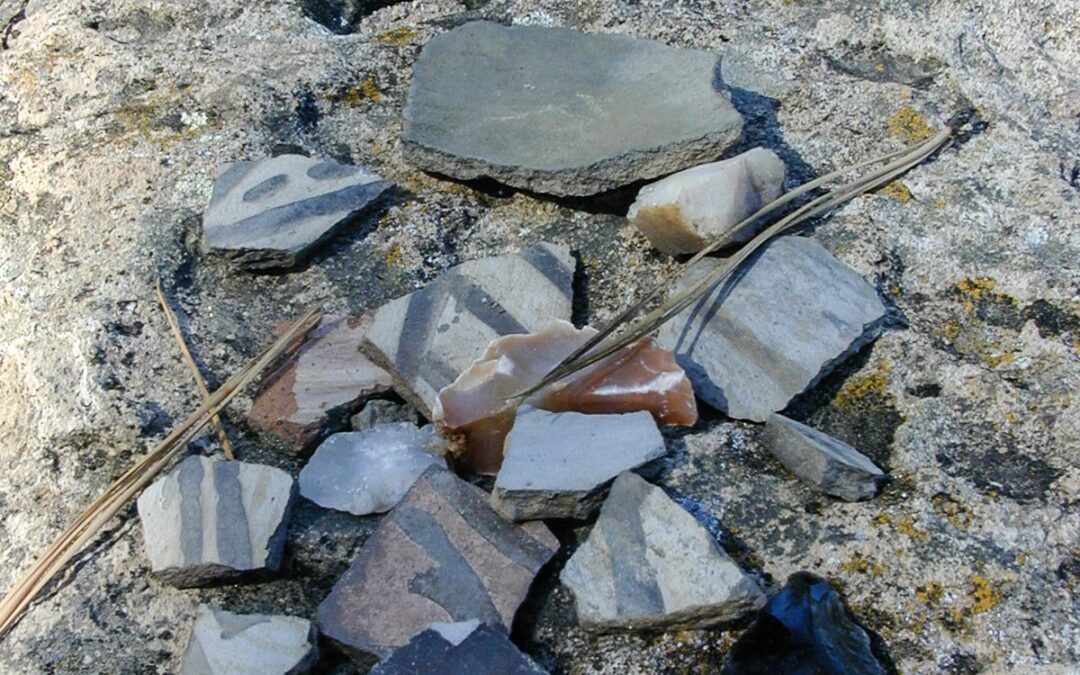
(370, 471)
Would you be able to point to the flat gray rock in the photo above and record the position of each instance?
(559, 465)
(209, 520)
(427, 338)
(832, 466)
(223, 643)
(648, 564)
(558, 111)
(772, 329)
(463, 648)
(369, 471)
(270, 213)
(687, 210)
(441, 555)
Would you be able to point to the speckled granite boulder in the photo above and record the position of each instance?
(558, 111)
(209, 520)
(223, 643)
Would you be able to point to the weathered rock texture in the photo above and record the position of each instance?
(209, 520)
(319, 387)
(272, 212)
(369, 471)
(684, 211)
(223, 643)
(648, 564)
(832, 466)
(559, 111)
(559, 465)
(441, 555)
(466, 648)
(427, 338)
(773, 328)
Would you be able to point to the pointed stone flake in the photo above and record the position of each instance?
(558, 111)
(465, 648)
(321, 385)
(686, 210)
(832, 466)
(773, 328)
(370, 471)
(441, 555)
(648, 564)
(272, 212)
(223, 643)
(559, 465)
(209, 520)
(427, 338)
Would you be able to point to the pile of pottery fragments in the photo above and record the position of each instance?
(437, 586)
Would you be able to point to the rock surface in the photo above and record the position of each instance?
(475, 411)
(442, 555)
(370, 471)
(321, 385)
(686, 210)
(223, 643)
(773, 328)
(209, 520)
(648, 564)
(559, 465)
(549, 109)
(270, 213)
(427, 338)
(465, 648)
(380, 411)
(803, 629)
(832, 466)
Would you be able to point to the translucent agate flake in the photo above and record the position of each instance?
(473, 410)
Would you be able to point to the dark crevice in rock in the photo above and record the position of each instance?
(342, 16)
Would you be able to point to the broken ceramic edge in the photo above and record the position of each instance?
(561, 464)
(476, 412)
(425, 339)
(686, 210)
(249, 644)
(319, 384)
(273, 213)
(821, 461)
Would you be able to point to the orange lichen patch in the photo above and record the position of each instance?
(369, 90)
(908, 125)
(983, 594)
(861, 565)
(396, 37)
(903, 524)
(898, 191)
(475, 411)
(930, 593)
(858, 389)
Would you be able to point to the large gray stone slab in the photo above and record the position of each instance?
(210, 520)
(369, 471)
(687, 210)
(558, 111)
(463, 648)
(773, 328)
(316, 390)
(560, 464)
(830, 465)
(223, 643)
(427, 338)
(270, 213)
(648, 564)
(441, 555)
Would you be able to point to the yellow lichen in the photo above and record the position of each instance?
(930, 594)
(370, 91)
(976, 286)
(395, 257)
(898, 191)
(956, 513)
(903, 524)
(861, 565)
(396, 37)
(858, 389)
(908, 125)
(983, 595)
(939, 203)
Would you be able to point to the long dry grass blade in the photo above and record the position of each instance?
(603, 344)
(87, 525)
(185, 353)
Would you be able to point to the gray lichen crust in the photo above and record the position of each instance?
(648, 564)
(210, 520)
(773, 328)
(558, 111)
(272, 212)
(559, 465)
(832, 466)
